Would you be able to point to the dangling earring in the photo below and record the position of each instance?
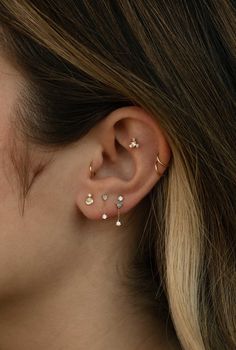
(119, 204)
(104, 198)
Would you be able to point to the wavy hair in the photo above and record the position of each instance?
(174, 58)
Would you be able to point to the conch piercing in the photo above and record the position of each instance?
(133, 143)
(104, 198)
(89, 200)
(119, 204)
(156, 164)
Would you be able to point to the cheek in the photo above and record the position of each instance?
(35, 246)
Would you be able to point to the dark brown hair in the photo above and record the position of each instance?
(83, 59)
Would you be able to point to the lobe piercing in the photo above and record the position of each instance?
(133, 143)
(104, 198)
(89, 200)
(119, 205)
(104, 216)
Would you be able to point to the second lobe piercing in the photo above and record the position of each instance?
(104, 198)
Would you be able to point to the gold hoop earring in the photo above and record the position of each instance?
(92, 172)
(160, 162)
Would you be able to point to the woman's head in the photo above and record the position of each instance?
(82, 79)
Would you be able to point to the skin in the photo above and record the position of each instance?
(59, 283)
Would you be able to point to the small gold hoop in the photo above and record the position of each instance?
(92, 173)
(160, 162)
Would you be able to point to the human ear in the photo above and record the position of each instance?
(119, 166)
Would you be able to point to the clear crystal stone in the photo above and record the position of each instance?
(104, 196)
(89, 201)
(120, 198)
(118, 223)
(104, 216)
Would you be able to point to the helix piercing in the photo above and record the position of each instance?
(160, 162)
(89, 200)
(119, 204)
(133, 143)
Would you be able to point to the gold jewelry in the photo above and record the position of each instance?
(104, 216)
(156, 164)
(104, 198)
(89, 200)
(119, 204)
(92, 173)
(133, 143)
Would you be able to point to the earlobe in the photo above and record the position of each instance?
(137, 155)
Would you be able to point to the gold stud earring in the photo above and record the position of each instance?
(134, 143)
(119, 205)
(89, 200)
(160, 162)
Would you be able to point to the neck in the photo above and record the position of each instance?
(81, 310)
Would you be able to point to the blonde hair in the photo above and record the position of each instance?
(174, 59)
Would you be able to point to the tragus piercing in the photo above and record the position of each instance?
(133, 143)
